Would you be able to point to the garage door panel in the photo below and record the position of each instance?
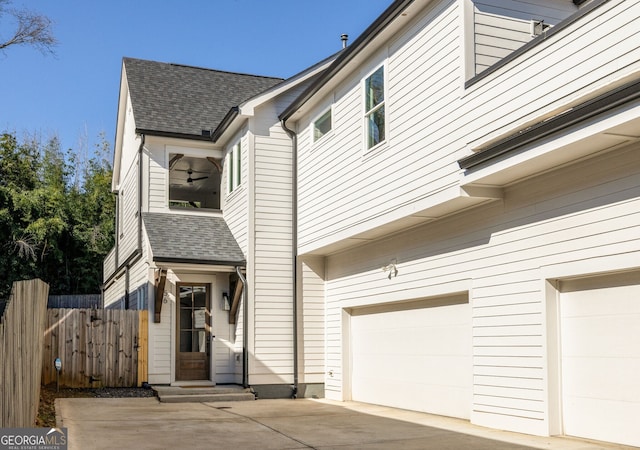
(600, 357)
(602, 378)
(602, 336)
(418, 359)
(621, 419)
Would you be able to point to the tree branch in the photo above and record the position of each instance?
(31, 29)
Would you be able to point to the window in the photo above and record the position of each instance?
(234, 168)
(322, 125)
(194, 182)
(374, 108)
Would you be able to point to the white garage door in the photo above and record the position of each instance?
(600, 345)
(417, 357)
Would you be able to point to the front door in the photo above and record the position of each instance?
(193, 337)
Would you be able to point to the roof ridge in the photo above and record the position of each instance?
(230, 72)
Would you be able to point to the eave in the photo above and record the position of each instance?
(624, 94)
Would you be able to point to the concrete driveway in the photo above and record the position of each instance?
(145, 423)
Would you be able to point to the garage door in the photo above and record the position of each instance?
(600, 348)
(415, 356)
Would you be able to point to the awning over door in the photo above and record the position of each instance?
(189, 239)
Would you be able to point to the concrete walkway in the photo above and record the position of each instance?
(145, 423)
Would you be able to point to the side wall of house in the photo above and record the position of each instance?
(345, 189)
(127, 223)
(498, 253)
(235, 210)
(433, 120)
(271, 359)
(311, 316)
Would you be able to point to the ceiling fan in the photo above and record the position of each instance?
(191, 180)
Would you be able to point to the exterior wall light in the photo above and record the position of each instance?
(391, 268)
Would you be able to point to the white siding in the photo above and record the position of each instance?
(128, 197)
(161, 337)
(311, 334)
(272, 251)
(344, 190)
(502, 26)
(235, 207)
(157, 177)
(114, 292)
(433, 121)
(585, 211)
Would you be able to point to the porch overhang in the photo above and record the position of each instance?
(194, 243)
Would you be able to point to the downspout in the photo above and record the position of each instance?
(245, 330)
(140, 173)
(294, 239)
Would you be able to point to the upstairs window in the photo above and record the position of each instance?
(322, 125)
(194, 182)
(374, 108)
(234, 171)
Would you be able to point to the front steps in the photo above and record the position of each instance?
(187, 394)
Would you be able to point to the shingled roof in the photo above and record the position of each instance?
(172, 99)
(182, 238)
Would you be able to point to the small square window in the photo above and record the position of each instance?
(322, 125)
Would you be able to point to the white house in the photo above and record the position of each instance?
(443, 217)
(468, 213)
(203, 176)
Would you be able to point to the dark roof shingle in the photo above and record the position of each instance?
(191, 239)
(184, 100)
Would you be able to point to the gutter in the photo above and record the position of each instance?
(226, 121)
(347, 55)
(170, 134)
(294, 239)
(245, 330)
(579, 113)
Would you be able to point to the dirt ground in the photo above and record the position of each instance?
(49, 393)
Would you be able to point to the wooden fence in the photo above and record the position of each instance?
(75, 301)
(21, 337)
(97, 347)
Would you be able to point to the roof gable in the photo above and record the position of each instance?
(173, 99)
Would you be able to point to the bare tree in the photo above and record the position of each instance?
(31, 28)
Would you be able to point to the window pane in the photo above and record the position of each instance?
(376, 129)
(237, 165)
(374, 89)
(199, 296)
(322, 126)
(186, 319)
(230, 172)
(185, 341)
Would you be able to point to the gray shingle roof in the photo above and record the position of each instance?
(177, 99)
(191, 239)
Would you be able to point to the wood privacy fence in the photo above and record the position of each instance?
(21, 336)
(97, 347)
(75, 301)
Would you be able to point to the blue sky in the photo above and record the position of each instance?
(74, 94)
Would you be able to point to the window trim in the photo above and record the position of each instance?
(234, 168)
(366, 113)
(329, 132)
